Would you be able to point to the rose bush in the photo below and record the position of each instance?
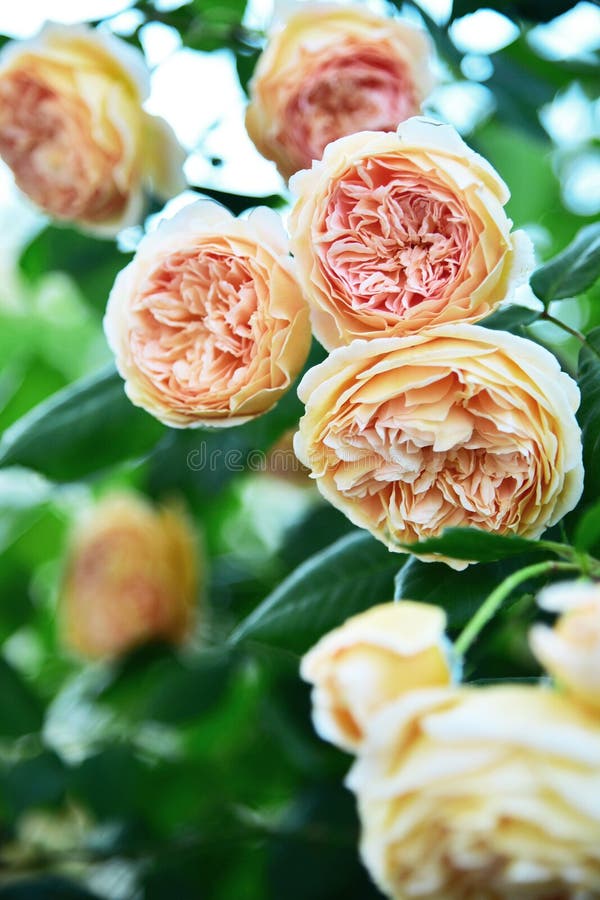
(131, 576)
(73, 130)
(370, 660)
(474, 793)
(328, 71)
(396, 232)
(457, 426)
(207, 323)
(570, 650)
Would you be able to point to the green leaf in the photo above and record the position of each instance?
(82, 429)
(34, 782)
(510, 318)
(238, 203)
(572, 271)
(48, 887)
(21, 710)
(474, 545)
(353, 574)
(93, 264)
(23, 497)
(588, 413)
(587, 531)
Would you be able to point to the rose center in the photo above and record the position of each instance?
(196, 322)
(391, 241)
(359, 88)
(45, 139)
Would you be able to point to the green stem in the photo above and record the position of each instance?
(494, 601)
(572, 331)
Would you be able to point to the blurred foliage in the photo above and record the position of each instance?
(196, 773)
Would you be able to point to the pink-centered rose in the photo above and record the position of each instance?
(396, 232)
(329, 71)
(131, 576)
(73, 130)
(207, 323)
(457, 426)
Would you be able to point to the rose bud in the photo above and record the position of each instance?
(396, 232)
(481, 793)
(370, 660)
(570, 651)
(457, 426)
(73, 130)
(131, 577)
(207, 323)
(329, 71)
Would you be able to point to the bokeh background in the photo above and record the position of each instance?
(195, 773)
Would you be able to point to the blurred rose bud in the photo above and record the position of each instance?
(458, 426)
(131, 577)
(481, 794)
(570, 651)
(207, 323)
(73, 130)
(329, 71)
(281, 462)
(371, 660)
(396, 232)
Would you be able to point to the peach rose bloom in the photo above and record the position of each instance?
(570, 651)
(396, 232)
(73, 130)
(369, 661)
(329, 71)
(131, 576)
(457, 426)
(207, 323)
(481, 794)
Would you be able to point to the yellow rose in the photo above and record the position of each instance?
(481, 794)
(369, 661)
(570, 651)
(457, 426)
(207, 323)
(131, 576)
(396, 232)
(329, 71)
(73, 130)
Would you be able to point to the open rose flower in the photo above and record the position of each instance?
(329, 71)
(207, 323)
(73, 130)
(131, 577)
(369, 661)
(474, 793)
(396, 232)
(457, 426)
(570, 650)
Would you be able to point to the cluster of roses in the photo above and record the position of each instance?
(467, 791)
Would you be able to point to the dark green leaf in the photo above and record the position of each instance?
(588, 413)
(23, 497)
(80, 430)
(354, 573)
(511, 318)
(238, 203)
(35, 782)
(536, 10)
(459, 593)
(587, 530)
(572, 271)
(21, 711)
(474, 545)
(49, 887)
